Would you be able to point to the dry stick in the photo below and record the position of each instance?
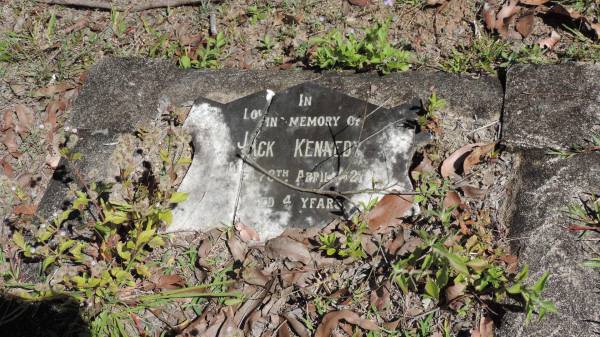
(108, 6)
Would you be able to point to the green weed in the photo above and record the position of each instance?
(102, 246)
(207, 56)
(487, 55)
(434, 104)
(374, 51)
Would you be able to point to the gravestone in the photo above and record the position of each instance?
(295, 158)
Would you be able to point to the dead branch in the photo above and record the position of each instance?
(140, 6)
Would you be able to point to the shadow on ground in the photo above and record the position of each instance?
(56, 317)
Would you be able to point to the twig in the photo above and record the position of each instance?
(142, 6)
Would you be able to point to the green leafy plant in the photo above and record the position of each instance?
(257, 13)
(447, 263)
(266, 43)
(434, 104)
(207, 56)
(374, 51)
(100, 249)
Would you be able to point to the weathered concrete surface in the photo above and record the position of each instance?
(544, 186)
(120, 93)
(551, 106)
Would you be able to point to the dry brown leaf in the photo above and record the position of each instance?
(25, 209)
(454, 291)
(534, 2)
(473, 192)
(237, 248)
(451, 199)
(246, 232)
(448, 169)
(551, 41)
(503, 17)
(393, 246)
(360, 3)
(25, 119)
(9, 139)
(169, 282)
(53, 89)
(475, 156)
(410, 245)
(7, 168)
(485, 329)
(525, 25)
(284, 247)
(254, 276)
(388, 211)
(284, 330)
(425, 166)
(489, 16)
(7, 120)
(331, 320)
(296, 325)
(380, 297)
(511, 262)
(596, 28)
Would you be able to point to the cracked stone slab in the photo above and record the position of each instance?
(551, 106)
(120, 93)
(544, 187)
(255, 158)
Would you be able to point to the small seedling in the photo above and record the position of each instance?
(266, 43)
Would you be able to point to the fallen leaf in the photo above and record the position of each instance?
(296, 325)
(489, 16)
(53, 89)
(237, 248)
(448, 169)
(360, 3)
(7, 168)
(254, 276)
(284, 330)
(455, 291)
(7, 120)
(138, 324)
(410, 245)
(389, 210)
(25, 119)
(451, 199)
(503, 17)
(169, 282)
(24, 209)
(596, 28)
(425, 166)
(475, 156)
(485, 329)
(473, 192)
(284, 247)
(534, 2)
(331, 320)
(549, 42)
(246, 232)
(9, 139)
(393, 246)
(511, 262)
(525, 25)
